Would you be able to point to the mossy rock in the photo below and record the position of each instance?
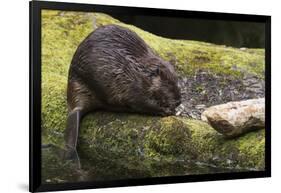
(140, 142)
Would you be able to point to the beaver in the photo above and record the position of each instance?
(114, 69)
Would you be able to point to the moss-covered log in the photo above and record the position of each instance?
(138, 142)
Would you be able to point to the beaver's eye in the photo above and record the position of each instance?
(154, 73)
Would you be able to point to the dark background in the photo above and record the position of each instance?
(230, 33)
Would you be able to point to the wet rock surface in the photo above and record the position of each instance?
(206, 89)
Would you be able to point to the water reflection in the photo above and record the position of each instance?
(55, 169)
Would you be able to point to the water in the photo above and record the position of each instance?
(57, 170)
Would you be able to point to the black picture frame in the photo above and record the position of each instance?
(35, 8)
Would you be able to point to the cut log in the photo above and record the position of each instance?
(236, 118)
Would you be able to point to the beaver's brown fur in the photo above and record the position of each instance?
(115, 70)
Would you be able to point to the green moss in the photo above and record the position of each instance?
(54, 107)
(246, 151)
(169, 137)
(104, 132)
(138, 139)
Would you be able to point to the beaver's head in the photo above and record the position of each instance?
(164, 91)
